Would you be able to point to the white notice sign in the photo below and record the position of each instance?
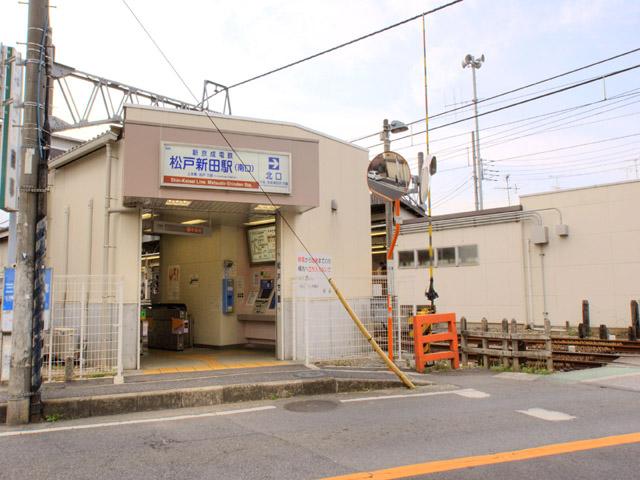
(311, 281)
(203, 166)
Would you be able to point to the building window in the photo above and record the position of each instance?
(468, 254)
(406, 259)
(446, 256)
(423, 258)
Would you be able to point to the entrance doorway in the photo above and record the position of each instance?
(207, 291)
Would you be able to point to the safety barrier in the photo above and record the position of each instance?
(421, 340)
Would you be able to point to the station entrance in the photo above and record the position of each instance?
(208, 289)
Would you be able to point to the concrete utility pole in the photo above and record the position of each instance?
(475, 63)
(20, 379)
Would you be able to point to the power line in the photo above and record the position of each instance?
(536, 130)
(629, 93)
(568, 147)
(560, 90)
(523, 87)
(553, 158)
(342, 45)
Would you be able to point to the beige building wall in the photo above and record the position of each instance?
(599, 260)
(343, 234)
(494, 288)
(74, 187)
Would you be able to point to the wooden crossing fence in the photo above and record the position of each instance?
(508, 345)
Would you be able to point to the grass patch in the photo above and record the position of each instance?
(54, 417)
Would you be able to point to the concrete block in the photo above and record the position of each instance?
(158, 400)
(242, 393)
(282, 389)
(113, 404)
(319, 386)
(202, 397)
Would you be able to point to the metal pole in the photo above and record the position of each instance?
(388, 219)
(119, 378)
(477, 141)
(18, 405)
(475, 172)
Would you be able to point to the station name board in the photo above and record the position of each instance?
(199, 166)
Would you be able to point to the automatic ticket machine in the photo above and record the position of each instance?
(260, 324)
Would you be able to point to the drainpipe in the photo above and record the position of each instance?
(107, 205)
(530, 284)
(89, 235)
(545, 312)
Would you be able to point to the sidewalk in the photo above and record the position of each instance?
(86, 398)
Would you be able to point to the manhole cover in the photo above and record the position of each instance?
(311, 406)
(311, 374)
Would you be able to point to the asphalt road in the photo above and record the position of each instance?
(468, 415)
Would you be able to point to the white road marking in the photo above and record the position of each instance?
(471, 393)
(548, 415)
(134, 422)
(466, 392)
(527, 377)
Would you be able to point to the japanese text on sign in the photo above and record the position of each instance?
(216, 167)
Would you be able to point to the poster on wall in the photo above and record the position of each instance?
(8, 292)
(173, 290)
(310, 275)
(206, 166)
(262, 244)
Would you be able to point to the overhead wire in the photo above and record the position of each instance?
(517, 89)
(345, 44)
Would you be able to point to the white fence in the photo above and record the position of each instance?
(321, 329)
(84, 334)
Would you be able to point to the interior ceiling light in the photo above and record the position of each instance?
(195, 221)
(177, 203)
(264, 221)
(147, 216)
(264, 208)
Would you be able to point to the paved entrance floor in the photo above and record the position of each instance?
(205, 359)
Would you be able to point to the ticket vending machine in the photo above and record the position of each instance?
(260, 324)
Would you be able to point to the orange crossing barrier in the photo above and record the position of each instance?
(421, 340)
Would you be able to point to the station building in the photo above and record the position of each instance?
(539, 259)
(167, 206)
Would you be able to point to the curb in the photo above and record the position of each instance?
(83, 407)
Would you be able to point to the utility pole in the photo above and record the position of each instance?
(475, 63)
(476, 192)
(20, 379)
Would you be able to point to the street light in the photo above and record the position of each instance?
(478, 174)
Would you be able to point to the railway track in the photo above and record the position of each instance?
(570, 353)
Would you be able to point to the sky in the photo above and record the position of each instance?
(348, 93)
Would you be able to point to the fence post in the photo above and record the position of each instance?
(635, 316)
(485, 342)
(51, 322)
(305, 315)
(294, 330)
(548, 345)
(604, 332)
(505, 343)
(514, 346)
(83, 322)
(463, 340)
(399, 333)
(119, 378)
(586, 325)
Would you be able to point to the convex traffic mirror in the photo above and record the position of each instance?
(389, 176)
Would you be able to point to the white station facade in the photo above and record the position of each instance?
(165, 204)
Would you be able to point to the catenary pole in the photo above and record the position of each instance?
(18, 404)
